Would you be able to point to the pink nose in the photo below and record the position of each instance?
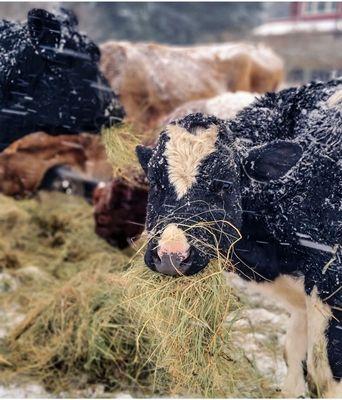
(181, 255)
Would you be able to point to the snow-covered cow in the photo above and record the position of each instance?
(50, 80)
(274, 174)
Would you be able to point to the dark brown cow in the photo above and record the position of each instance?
(119, 211)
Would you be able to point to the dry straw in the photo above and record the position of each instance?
(131, 330)
(185, 317)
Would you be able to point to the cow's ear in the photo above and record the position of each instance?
(68, 16)
(144, 155)
(44, 28)
(272, 161)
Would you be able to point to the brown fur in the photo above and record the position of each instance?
(24, 163)
(152, 80)
(119, 211)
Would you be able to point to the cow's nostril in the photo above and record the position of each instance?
(172, 263)
(156, 258)
(188, 260)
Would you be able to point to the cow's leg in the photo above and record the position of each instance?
(334, 348)
(295, 354)
(324, 348)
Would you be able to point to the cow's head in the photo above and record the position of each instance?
(50, 79)
(196, 173)
(119, 211)
(194, 198)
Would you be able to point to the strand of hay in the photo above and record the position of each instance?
(120, 143)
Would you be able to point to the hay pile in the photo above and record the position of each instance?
(185, 319)
(134, 331)
(53, 232)
(44, 242)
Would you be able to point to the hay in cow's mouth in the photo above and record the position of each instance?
(185, 319)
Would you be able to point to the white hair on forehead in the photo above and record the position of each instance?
(173, 240)
(335, 99)
(185, 152)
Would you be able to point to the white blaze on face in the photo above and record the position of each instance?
(173, 241)
(185, 152)
(335, 99)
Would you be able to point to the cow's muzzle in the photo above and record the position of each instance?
(173, 264)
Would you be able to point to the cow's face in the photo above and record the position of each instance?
(193, 205)
(50, 75)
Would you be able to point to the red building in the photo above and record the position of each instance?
(309, 37)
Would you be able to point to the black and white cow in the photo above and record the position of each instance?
(275, 174)
(50, 79)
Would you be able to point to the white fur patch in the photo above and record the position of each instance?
(335, 99)
(306, 332)
(173, 240)
(319, 315)
(185, 152)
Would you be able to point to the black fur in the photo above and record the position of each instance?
(50, 79)
(281, 161)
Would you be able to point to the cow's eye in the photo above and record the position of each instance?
(216, 186)
(220, 186)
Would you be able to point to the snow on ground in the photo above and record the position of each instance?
(23, 391)
(9, 316)
(260, 332)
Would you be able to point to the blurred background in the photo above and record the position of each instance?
(307, 35)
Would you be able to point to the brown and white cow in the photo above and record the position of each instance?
(24, 164)
(152, 80)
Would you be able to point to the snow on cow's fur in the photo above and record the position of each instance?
(274, 172)
(50, 79)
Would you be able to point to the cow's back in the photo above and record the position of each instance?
(306, 201)
(153, 80)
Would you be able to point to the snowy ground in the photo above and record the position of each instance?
(260, 332)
